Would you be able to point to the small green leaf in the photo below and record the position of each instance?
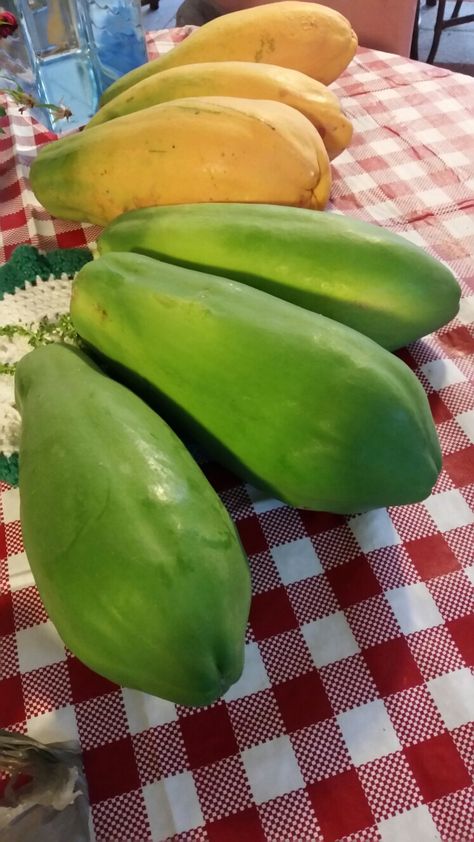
(60, 329)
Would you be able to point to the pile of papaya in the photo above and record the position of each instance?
(219, 313)
(240, 111)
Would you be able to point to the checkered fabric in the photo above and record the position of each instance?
(353, 719)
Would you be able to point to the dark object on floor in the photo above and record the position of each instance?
(441, 24)
(195, 13)
(153, 4)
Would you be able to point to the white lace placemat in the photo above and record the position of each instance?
(33, 313)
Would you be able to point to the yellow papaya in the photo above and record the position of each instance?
(239, 79)
(304, 36)
(197, 149)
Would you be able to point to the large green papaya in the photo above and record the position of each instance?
(136, 559)
(301, 405)
(352, 271)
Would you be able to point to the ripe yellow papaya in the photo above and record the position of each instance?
(304, 36)
(239, 79)
(197, 149)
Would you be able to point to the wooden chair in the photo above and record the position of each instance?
(381, 24)
(441, 24)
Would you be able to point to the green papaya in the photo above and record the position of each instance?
(357, 273)
(137, 562)
(301, 405)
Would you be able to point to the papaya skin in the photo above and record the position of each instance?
(136, 560)
(188, 150)
(241, 79)
(308, 37)
(302, 406)
(363, 275)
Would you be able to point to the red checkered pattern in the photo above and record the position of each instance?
(414, 715)
(353, 719)
(160, 752)
(320, 750)
(390, 786)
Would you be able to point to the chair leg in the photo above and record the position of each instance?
(414, 37)
(438, 29)
(457, 8)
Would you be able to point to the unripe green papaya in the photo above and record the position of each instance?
(137, 562)
(357, 273)
(305, 407)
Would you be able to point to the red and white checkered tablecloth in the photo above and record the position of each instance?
(353, 719)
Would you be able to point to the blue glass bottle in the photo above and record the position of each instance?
(67, 52)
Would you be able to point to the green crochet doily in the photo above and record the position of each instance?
(27, 263)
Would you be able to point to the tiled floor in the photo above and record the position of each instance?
(456, 46)
(164, 18)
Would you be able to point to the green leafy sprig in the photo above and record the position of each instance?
(25, 100)
(60, 329)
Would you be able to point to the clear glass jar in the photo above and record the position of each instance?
(66, 52)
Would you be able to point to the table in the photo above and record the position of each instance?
(353, 719)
